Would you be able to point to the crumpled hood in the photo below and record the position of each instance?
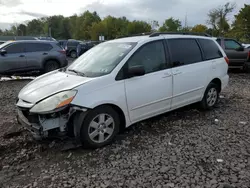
(50, 84)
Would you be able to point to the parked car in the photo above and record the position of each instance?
(24, 56)
(121, 82)
(14, 38)
(85, 46)
(62, 43)
(246, 46)
(239, 57)
(71, 47)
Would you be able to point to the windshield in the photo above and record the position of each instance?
(101, 59)
(4, 44)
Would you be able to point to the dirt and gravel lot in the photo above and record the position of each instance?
(184, 148)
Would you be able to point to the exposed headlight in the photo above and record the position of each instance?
(56, 101)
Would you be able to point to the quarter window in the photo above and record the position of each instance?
(184, 51)
(151, 56)
(210, 49)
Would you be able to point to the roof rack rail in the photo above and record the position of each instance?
(179, 33)
(136, 35)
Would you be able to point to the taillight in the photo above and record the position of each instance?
(62, 51)
(249, 55)
(227, 60)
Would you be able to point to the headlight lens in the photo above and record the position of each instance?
(56, 101)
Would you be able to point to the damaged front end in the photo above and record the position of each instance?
(61, 121)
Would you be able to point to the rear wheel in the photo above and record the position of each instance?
(73, 54)
(211, 96)
(51, 66)
(100, 127)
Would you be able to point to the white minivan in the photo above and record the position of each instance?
(123, 81)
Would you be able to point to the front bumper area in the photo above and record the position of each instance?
(44, 125)
(33, 128)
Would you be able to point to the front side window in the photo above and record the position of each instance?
(184, 51)
(151, 56)
(231, 44)
(210, 49)
(15, 48)
(101, 59)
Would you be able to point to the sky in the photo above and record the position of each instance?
(19, 11)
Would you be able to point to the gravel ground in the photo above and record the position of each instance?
(184, 148)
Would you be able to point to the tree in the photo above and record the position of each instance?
(21, 30)
(35, 27)
(171, 24)
(199, 28)
(241, 25)
(137, 27)
(84, 23)
(217, 18)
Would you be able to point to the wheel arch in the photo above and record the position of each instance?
(217, 81)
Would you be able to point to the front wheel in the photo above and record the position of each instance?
(211, 96)
(100, 127)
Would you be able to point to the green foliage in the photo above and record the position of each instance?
(241, 26)
(217, 18)
(199, 28)
(171, 24)
(89, 25)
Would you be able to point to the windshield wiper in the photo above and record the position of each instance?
(77, 72)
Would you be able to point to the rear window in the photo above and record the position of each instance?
(210, 49)
(38, 47)
(185, 51)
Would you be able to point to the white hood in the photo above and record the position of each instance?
(49, 84)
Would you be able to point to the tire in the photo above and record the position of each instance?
(94, 124)
(73, 54)
(51, 66)
(211, 97)
(246, 67)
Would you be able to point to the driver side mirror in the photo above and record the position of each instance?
(136, 71)
(3, 52)
(240, 48)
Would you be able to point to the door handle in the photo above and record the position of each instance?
(177, 72)
(167, 74)
(45, 53)
(22, 56)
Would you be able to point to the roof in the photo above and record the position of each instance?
(161, 36)
(35, 41)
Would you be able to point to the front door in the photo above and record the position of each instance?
(150, 94)
(190, 72)
(14, 60)
(234, 55)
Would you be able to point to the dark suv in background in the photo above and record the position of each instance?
(25, 56)
(85, 46)
(238, 55)
(71, 48)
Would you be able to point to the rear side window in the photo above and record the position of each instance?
(185, 51)
(15, 48)
(38, 47)
(210, 49)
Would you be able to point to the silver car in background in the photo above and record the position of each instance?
(34, 55)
